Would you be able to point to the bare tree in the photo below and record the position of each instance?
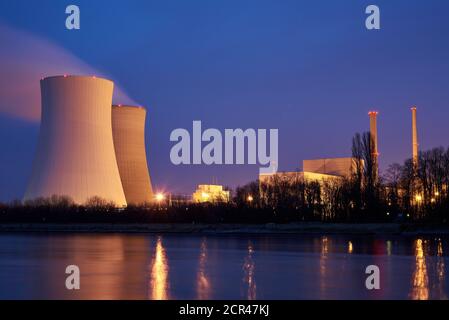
(96, 202)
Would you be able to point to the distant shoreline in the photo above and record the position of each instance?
(270, 228)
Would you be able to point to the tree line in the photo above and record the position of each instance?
(416, 191)
(408, 192)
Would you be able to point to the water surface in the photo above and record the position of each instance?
(130, 266)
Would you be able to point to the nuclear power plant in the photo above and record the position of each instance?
(76, 153)
(128, 129)
(89, 148)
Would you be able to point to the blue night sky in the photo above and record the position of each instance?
(309, 68)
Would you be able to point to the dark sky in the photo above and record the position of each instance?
(308, 68)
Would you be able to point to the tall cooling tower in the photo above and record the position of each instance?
(75, 155)
(128, 128)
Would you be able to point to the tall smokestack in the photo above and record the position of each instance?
(373, 132)
(414, 139)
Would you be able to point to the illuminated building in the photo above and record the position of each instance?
(210, 193)
(297, 177)
(341, 167)
(322, 171)
(319, 170)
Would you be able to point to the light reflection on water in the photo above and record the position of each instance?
(221, 267)
(420, 285)
(249, 268)
(323, 266)
(159, 284)
(202, 283)
(350, 247)
(440, 271)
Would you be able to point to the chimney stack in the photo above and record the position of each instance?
(373, 132)
(414, 139)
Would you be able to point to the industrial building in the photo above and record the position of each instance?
(75, 153)
(342, 167)
(318, 170)
(210, 193)
(128, 129)
(334, 169)
(328, 169)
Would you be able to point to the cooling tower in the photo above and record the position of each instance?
(128, 128)
(415, 144)
(75, 154)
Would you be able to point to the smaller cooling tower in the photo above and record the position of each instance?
(128, 129)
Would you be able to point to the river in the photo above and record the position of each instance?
(151, 266)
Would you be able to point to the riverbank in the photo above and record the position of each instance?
(270, 228)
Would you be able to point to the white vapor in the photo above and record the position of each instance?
(24, 60)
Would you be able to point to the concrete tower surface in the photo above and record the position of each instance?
(128, 128)
(415, 143)
(75, 154)
(373, 132)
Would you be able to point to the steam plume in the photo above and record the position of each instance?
(24, 60)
